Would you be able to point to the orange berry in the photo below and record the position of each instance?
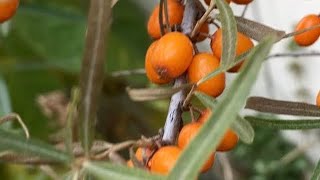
(309, 37)
(175, 14)
(164, 159)
(172, 55)
(229, 141)
(201, 65)
(130, 164)
(150, 72)
(318, 99)
(242, 1)
(8, 9)
(204, 115)
(140, 154)
(203, 31)
(185, 136)
(208, 1)
(243, 44)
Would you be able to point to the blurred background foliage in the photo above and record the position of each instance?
(41, 51)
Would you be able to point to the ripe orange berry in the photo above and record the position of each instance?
(185, 136)
(8, 9)
(164, 159)
(318, 99)
(201, 65)
(243, 44)
(203, 31)
(140, 154)
(204, 115)
(150, 72)
(172, 55)
(208, 1)
(309, 37)
(175, 14)
(229, 141)
(242, 1)
(130, 164)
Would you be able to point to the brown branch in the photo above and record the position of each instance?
(174, 120)
(303, 54)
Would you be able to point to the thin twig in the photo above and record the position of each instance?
(15, 116)
(166, 15)
(128, 72)
(295, 153)
(226, 167)
(49, 171)
(244, 10)
(203, 19)
(174, 120)
(300, 31)
(300, 54)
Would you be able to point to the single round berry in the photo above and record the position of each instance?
(172, 55)
(164, 159)
(204, 116)
(7, 9)
(309, 37)
(141, 155)
(318, 99)
(243, 2)
(175, 15)
(186, 135)
(208, 1)
(201, 65)
(243, 45)
(150, 72)
(229, 141)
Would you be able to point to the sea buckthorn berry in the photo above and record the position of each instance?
(242, 1)
(309, 37)
(208, 1)
(172, 55)
(243, 44)
(164, 159)
(318, 99)
(150, 72)
(229, 141)
(175, 15)
(203, 32)
(204, 116)
(201, 65)
(185, 136)
(140, 154)
(8, 9)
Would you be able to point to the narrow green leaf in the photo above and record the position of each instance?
(282, 107)
(92, 69)
(255, 30)
(5, 103)
(207, 100)
(316, 172)
(149, 94)
(204, 143)
(243, 129)
(229, 32)
(111, 171)
(284, 123)
(19, 144)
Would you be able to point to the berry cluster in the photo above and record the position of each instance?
(8, 9)
(163, 160)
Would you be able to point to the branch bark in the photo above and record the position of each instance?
(174, 120)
